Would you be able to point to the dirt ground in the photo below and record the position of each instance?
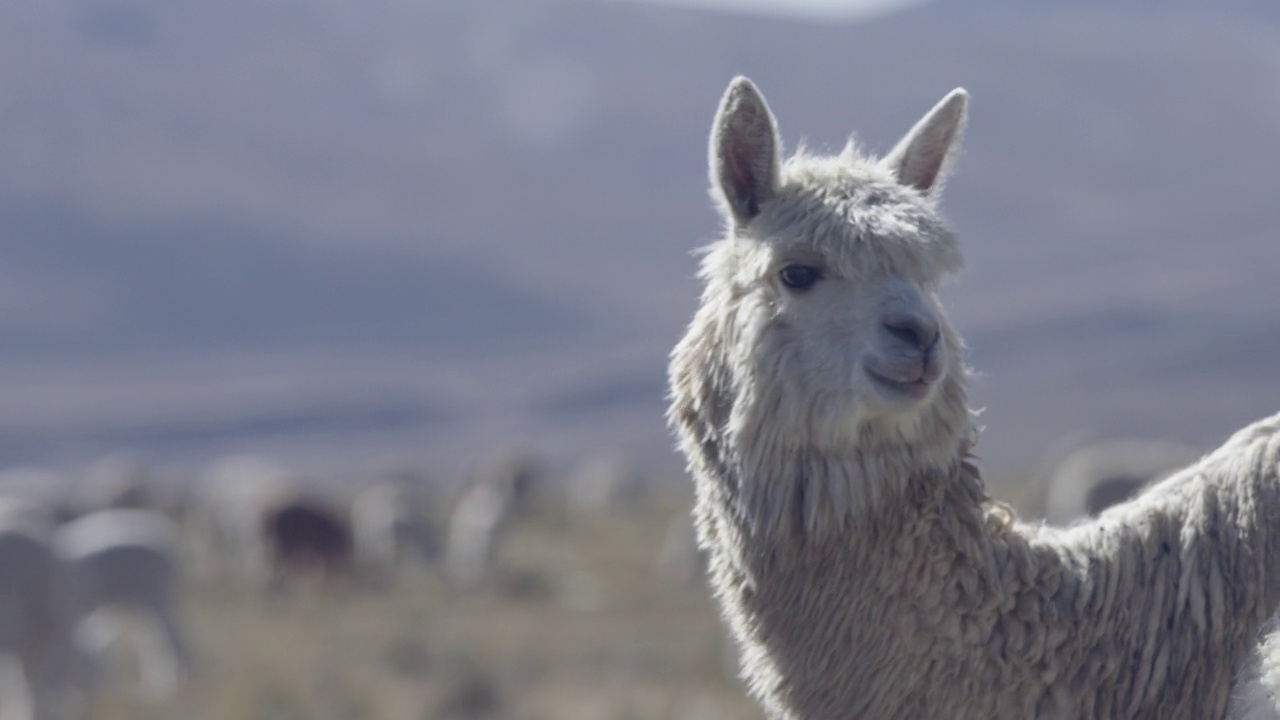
(582, 624)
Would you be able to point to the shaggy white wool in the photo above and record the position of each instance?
(1257, 695)
(853, 548)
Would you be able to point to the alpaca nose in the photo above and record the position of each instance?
(918, 331)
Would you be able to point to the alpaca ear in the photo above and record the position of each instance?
(744, 152)
(920, 158)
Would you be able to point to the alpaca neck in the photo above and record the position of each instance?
(815, 549)
(807, 589)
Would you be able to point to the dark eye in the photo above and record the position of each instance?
(799, 277)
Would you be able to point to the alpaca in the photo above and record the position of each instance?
(236, 492)
(302, 534)
(482, 515)
(605, 483)
(476, 526)
(680, 562)
(32, 640)
(118, 480)
(391, 526)
(819, 399)
(39, 487)
(1097, 475)
(118, 567)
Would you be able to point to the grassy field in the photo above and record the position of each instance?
(580, 626)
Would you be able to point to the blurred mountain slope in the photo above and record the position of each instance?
(487, 207)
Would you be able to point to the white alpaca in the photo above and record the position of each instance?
(392, 526)
(118, 569)
(482, 515)
(32, 642)
(680, 561)
(819, 399)
(118, 480)
(40, 487)
(1097, 475)
(476, 526)
(605, 483)
(236, 493)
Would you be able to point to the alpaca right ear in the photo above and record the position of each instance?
(744, 151)
(921, 158)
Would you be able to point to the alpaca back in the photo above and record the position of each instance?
(120, 556)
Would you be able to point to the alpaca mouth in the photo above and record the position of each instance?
(905, 389)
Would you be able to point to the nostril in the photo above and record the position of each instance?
(905, 333)
(915, 331)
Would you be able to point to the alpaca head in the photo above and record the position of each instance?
(820, 326)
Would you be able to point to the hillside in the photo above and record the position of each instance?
(423, 228)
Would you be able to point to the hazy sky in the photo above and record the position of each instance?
(843, 9)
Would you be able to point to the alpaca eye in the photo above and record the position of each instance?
(799, 277)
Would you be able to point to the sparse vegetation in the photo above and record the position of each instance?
(579, 629)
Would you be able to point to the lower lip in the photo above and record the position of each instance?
(916, 390)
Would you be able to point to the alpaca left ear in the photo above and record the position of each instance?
(744, 151)
(920, 159)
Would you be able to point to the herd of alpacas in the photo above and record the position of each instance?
(819, 399)
(95, 566)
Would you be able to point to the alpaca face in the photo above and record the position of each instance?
(824, 291)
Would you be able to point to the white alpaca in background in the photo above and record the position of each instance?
(477, 524)
(482, 515)
(38, 487)
(392, 527)
(235, 494)
(679, 560)
(118, 480)
(119, 576)
(33, 645)
(1096, 475)
(606, 482)
(819, 397)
